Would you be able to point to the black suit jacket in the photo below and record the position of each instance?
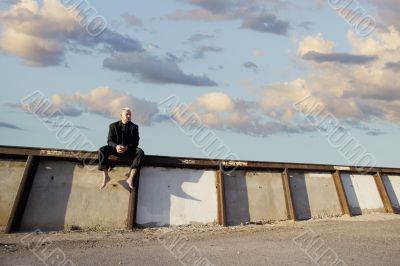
(131, 137)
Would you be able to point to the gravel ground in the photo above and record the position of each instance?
(372, 239)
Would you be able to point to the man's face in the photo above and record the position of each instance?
(126, 116)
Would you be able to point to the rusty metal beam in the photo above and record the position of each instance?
(383, 193)
(133, 202)
(221, 196)
(184, 162)
(389, 170)
(63, 153)
(344, 203)
(21, 199)
(287, 189)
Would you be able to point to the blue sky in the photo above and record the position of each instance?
(239, 66)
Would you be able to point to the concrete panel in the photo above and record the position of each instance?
(254, 197)
(65, 194)
(314, 195)
(392, 184)
(10, 179)
(236, 198)
(176, 196)
(362, 193)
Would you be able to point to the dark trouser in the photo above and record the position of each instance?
(106, 151)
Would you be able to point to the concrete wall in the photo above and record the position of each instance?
(254, 197)
(171, 196)
(10, 179)
(362, 193)
(314, 195)
(64, 194)
(392, 184)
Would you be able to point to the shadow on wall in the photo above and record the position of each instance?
(391, 192)
(350, 191)
(159, 187)
(48, 199)
(178, 196)
(301, 200)
(11, 172)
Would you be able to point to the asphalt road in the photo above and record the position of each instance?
(364, 240)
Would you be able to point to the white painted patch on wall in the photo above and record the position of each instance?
(171, 196)
(392, 184)
(362, 193)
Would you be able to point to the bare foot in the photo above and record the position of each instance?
(131, 177)
(129, 181)
(105, 181)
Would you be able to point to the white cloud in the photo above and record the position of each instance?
(217, 110)
(216, 102)
(103, 101)
(359, 86)
(366, 91)
(315, 43)
(41, 34)
(356, 94)
(278, 99)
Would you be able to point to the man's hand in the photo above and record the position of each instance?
(121, 148)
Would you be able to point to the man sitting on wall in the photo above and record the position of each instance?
(123, 140)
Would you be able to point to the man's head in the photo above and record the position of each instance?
(126, 115)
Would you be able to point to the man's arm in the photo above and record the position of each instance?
(112, 138)
(135, 138)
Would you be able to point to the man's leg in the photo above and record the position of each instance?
(131, 177)
(103, 153)
(137, 161)
(106, 179)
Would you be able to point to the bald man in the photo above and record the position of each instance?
(123, 140)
